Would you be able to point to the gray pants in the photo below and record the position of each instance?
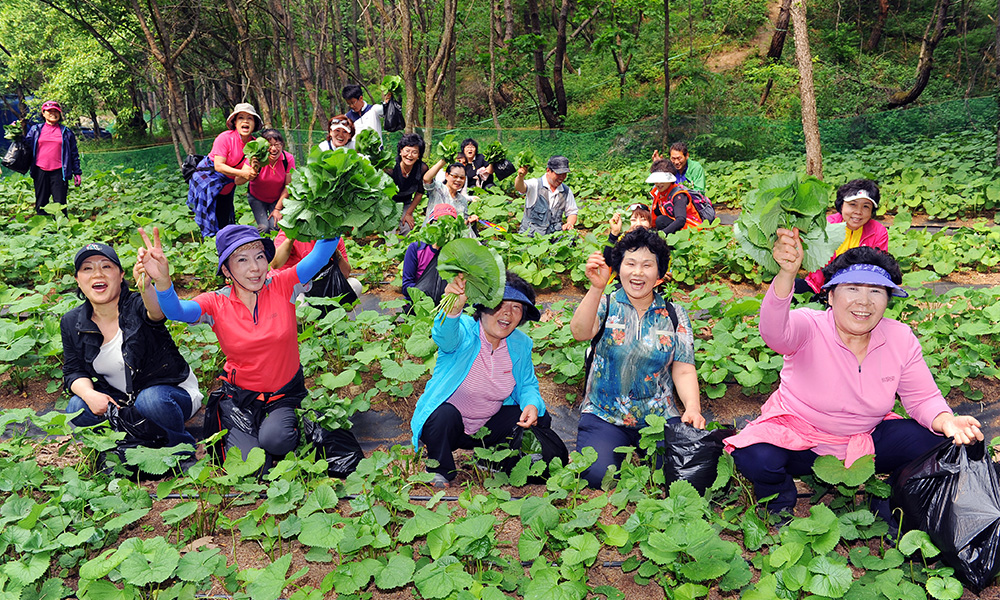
(278, 435)
(262, 213)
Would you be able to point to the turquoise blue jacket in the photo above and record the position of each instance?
(458, 346)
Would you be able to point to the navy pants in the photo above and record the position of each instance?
(166, 405)
(771, 469)
(444, 432)
(604, 437)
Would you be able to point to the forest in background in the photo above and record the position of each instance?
(575, 65)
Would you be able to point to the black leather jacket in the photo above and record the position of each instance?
(151, 357)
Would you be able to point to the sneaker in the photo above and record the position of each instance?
(440, 481)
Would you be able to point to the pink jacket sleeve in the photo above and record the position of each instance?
(783, 330)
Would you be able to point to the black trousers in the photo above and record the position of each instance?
(225, 212)
(49, 184)
(444, 433)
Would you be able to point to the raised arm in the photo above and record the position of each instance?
(156, 267)
(432, 172)
(309, 266)
(584, 324)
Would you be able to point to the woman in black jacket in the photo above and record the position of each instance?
(116, 351)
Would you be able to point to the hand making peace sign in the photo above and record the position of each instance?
(153, 260)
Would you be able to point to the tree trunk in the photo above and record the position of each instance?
(996, 61)
(437, 67)
(450, 113)
(560, 59)
(408, 65)
(277, 8)
(249, 65)
(491, 92)
(777, 44)
(932, 36)
(543, 88)
(508, 16)
(355, 51)
(876, 35)
(665, 134)
(810, 120)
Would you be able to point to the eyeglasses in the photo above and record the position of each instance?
(457, 175)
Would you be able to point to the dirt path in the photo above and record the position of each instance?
(731, 59)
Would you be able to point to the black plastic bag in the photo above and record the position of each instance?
(692, 454)
(393, 114)
(192, 164)
(503, 169)
(339, 447)
(953, 494)
(138, 430)
(17, 158)
(330, 283)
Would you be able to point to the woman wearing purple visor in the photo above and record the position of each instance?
(843, 369)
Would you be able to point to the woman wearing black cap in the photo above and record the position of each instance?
(254, 320)
(484, 377)
(116, 351)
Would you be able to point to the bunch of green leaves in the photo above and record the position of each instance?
(14, 131)
(493, 153)
(446, 150)
(368, 144)
(485, 276)
(525, 158)
(442, 230)
(257, 149)
(786, 201)
(339, 193)
(392, 85)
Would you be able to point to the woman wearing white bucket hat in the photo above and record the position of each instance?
(229, 160)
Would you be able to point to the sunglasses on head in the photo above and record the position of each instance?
(338, 122)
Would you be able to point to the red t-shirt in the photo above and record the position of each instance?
(229, 145)
(301, 249)
(262, 350)
(48, 157)
(270, 182)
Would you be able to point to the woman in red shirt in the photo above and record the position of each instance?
(267, 192)
(228, 158)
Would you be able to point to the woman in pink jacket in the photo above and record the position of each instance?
(856, 203)
(843, 369)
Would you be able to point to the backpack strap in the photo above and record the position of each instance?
(672, 313)
(284, 160)
(589, 359)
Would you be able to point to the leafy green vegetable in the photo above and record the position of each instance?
(485, 276)
(368, 144)
(393, 85)
(257, 150)
(339, 193)
(442, 231)
(494, 153)
(525, 158)
(446, 150)
(14, 130)
(785, 201)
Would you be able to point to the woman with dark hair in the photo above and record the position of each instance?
(843, 370)
(267, 192)
(54, 157)
(483, 377)
(254, 320)
(408, 175)
(645, 351)
(117, 350)
(339, 133)
(856, 203)
(452, 191)
(477, 172)
(228, 158)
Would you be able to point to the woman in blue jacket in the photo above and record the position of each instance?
(54, 157)
(484, 377)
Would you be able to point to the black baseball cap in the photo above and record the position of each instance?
(94, 249)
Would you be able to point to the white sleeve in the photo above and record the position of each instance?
(531, 193)
(571, 208)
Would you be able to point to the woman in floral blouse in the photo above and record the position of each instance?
(641, 355)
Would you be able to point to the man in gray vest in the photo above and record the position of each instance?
(547, 199)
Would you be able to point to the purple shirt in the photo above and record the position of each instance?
(488, 384)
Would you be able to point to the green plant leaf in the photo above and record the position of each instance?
(319, 531)
(485, 276)
(914, 540)
(29, 569)
(268, 583)
(441, 578)
(423, 522)
(151, 561)
(397, 573)
(947, 588)
(582, 548)
(179, 512)
(829, 578)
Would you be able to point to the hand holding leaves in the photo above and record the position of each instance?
(788, 251)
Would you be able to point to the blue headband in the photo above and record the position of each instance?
(868, 275)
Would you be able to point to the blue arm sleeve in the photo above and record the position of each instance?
(315, 260)
(176, 309)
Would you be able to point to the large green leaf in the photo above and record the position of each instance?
(485, 276)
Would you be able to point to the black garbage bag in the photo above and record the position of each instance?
(138, 430)
(953, 494)
(692, 454)
(330, 282)
(503, 169)
(393, 115)
(339, 447)
(17, 158)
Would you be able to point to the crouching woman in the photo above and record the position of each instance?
(484, 377)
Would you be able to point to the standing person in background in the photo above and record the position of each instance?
(55, 158)
(689, 172)
(339, 133)
(267, 192)
(477, 172)
(364, 115)
(547, 199)
(229, 160)
(408, 175)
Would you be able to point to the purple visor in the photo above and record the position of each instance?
(866, 274)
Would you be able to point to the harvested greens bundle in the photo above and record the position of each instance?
(442, 230)
(494, 153)
(446, 150)
(525, 158)
(256, 151)
(393, 85)
(784, 201)
(368, 144)
(14, 131)
(485, 276)
(339, 193)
